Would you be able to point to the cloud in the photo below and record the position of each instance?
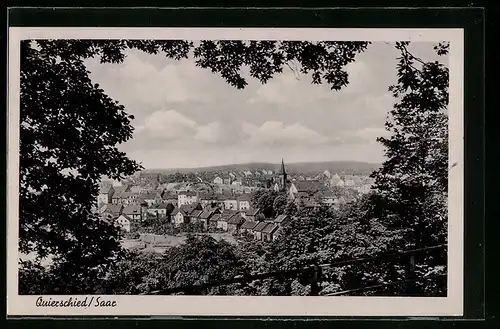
(210, 133)
(287, 88)
(367, 136)
(276, 133)
(171, 125)
(137, 83)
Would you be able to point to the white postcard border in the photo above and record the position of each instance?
(452, 305)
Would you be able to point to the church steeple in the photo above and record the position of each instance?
(283, 176)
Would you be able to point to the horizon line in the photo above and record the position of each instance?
(264, 162)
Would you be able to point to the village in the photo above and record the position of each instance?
(220, 206)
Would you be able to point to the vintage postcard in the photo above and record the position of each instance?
(235, 172)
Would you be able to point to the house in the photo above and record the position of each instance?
(194, 215)
(159, 195)
(158, 210)
(133, 212)
(227, 179)
(336, 181)
(206, 216)
(186, 198)
(121, 188)
(257, 230)
(305, 189)
(213, 222)
(169, 198)
(114, 210)
(105, 195)
(234, 224)
(180, 216)
(223, 219)
(328, 198)
(248, 226)
(243, 202)
(268, 231)
(208, 200)
(149, 197)
(253, 214)
(124, 222)
(231, 203)
(237, 182)
(126, 197)
(218, 180)
(282, 220)
(349, 183)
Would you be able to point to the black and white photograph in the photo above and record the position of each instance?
(232, 165)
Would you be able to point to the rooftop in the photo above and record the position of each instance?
(270, 228)
(260, 226)
(280, 218)
(132, 210)
(249, 224)
(235, 220)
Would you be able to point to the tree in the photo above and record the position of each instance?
(412, 183)
(70, 129)
(279, 204)
(199, 260)
(411, 186)
(68, 136)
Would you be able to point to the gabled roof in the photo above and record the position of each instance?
(236, 220)
(126, 194)
(206, 214)
(187, 209)
(196, 213)
(125, 216)
(132, 210)
(252, 212)
(160, 206)
(123, 188)
(181, 210)
(249, 224)
(280, 218)
(112, 208)
(260, 227)
(270, 228)
(225, 216)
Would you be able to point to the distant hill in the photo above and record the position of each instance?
(344, 167)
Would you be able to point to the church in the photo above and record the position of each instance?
(281, 184)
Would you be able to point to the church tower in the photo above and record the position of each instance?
(283, 176)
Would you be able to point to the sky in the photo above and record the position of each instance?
(187, 116)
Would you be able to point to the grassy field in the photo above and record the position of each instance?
(159, 243)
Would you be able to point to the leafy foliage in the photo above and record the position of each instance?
(412, 184)
(70, 129)
(270, 202)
